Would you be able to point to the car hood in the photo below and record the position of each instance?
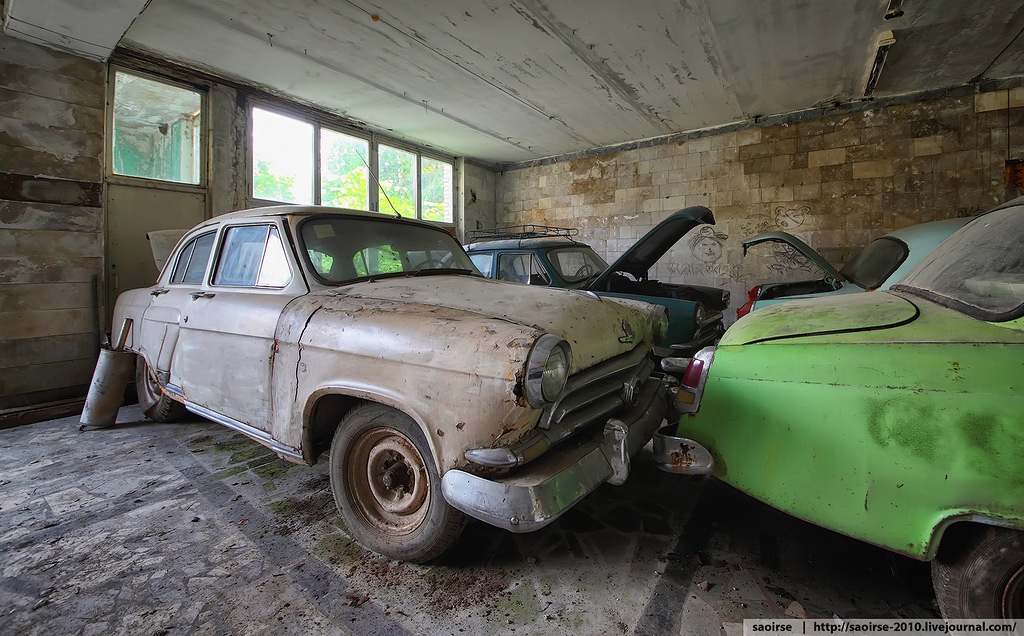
(819, 316)
(806, 250)
(643, 254)
(596, 328)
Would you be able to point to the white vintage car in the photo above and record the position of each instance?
(437, 393)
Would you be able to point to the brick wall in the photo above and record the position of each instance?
(836, 182)
(51, 241)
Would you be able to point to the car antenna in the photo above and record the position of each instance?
(377, 181)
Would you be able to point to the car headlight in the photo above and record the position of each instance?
(699, 314)
(660, 325)
(547, 369)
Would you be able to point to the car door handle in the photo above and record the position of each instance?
(157, 292)
(201, 294)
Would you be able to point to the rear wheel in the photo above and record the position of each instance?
(157, 406)
(387, 487)
(983, 577)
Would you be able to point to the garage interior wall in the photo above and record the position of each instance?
(51, 222)
(837, 182)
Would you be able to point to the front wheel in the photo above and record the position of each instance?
(984, 578)
(387, 487)
(157, 406)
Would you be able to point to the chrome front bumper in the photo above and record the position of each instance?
(535, 495)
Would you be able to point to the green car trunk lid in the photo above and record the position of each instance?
(835, 314)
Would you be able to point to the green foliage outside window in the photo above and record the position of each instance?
(267, 185)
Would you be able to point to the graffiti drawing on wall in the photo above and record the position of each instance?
(708, 245)
(781, 218)
(788, 260)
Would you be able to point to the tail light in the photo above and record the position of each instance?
(752, 295)
(691, 377)
(691, 387)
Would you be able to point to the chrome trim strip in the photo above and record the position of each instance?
(253, 433)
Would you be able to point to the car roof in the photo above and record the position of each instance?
(309, 210)
(525, 243)
(925, 231)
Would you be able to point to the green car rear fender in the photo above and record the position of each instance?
(884, 442)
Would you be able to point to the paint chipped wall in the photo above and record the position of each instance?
(835, 182)
(51, 242)
(478, 198)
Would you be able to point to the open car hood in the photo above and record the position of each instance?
(643, 254)
(806, 250)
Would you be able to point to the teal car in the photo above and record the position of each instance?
(895, 417)
(551, 256)
(883, 263)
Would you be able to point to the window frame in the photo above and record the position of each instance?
(205, 132)
(221, 245)
(320, 122)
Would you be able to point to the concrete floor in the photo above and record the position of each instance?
(149, 528)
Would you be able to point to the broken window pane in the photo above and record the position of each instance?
(397, 169)
(157, 130)
(344, 176)
(282, 158)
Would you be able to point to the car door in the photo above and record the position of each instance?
(224, 357)
(161, 321)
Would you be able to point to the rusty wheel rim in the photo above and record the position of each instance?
(1013, 596)
(387, 479)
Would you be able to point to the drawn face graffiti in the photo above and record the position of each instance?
(707, 246)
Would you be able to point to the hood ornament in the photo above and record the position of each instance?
(628, 334)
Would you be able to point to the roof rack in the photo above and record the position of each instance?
(519, 232)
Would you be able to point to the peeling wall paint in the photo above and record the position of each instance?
(51, 241)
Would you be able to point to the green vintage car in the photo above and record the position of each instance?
(895, 417)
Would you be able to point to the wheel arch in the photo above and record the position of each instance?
(326, 406)
(954, 533)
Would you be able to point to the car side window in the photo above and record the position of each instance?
(190, 269)
(514, 267)
(538, 275)
(252, 256)
(483, 261)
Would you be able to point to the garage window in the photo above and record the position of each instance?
(300, 161)
(158, 132)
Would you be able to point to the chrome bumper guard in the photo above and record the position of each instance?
(535, 495)
(681, 455)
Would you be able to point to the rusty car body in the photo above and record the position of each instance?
(895, 417)
(435, 392)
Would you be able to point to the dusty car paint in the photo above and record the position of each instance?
(917, 241)
(907, 453)
(449, 350)
(694, 311)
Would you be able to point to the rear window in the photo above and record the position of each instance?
(876, 262)
(979, 270)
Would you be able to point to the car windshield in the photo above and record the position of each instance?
(873, 265)
(342, 249)
(577, 263)
(979, 270)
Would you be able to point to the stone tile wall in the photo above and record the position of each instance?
(51, 222)
(835, 182)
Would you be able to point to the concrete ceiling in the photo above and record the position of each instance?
(517, 80)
